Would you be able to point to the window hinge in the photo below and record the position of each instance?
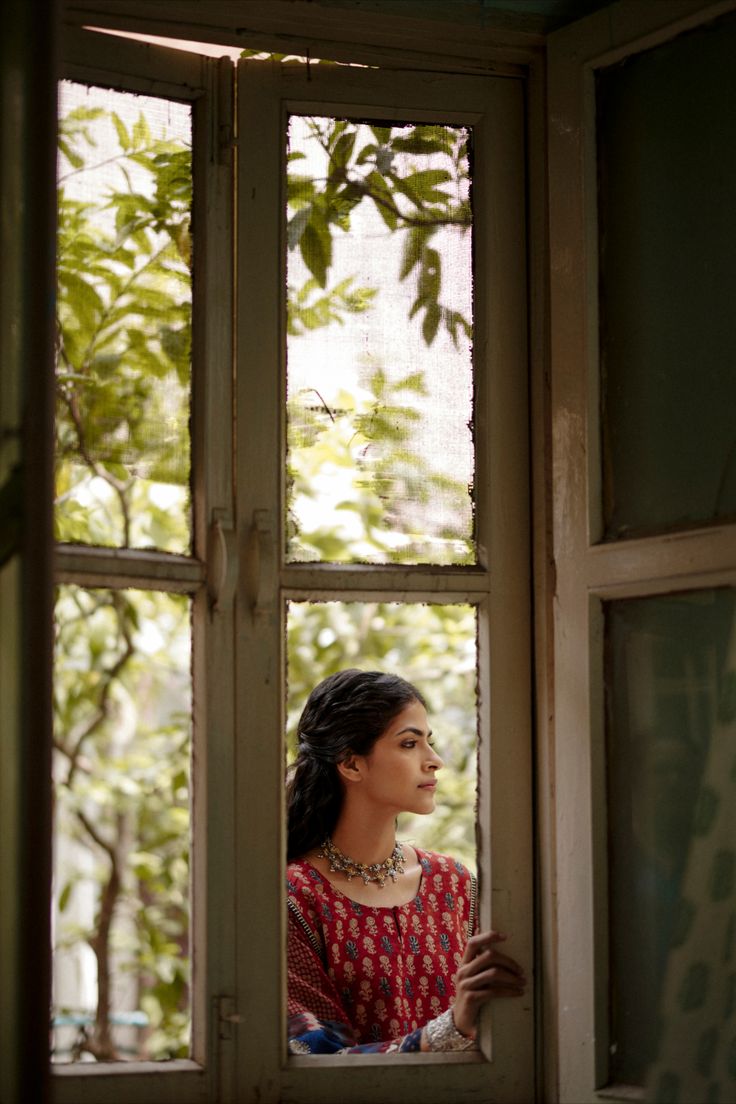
(226, 140)
(223, 128)
(227, 1015)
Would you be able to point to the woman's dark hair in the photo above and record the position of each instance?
(345, 714)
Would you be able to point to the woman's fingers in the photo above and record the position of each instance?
(487, 972)
(481, 942)
(484, 974)
(490, 958)
(485, 955)
(493, 978)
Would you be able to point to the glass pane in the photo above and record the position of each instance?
(670, 679)
(434, 647)
(667, 171)
(123, 373)
(122, 740)
(380, 376)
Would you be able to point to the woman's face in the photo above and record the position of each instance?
(399, 772)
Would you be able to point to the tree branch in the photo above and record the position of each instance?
(91, 726)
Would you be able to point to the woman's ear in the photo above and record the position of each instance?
(349, 769)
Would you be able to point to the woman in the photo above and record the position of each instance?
(382, 954)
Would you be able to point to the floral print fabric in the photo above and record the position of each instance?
(367, 978)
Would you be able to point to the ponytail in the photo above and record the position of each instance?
(313, 802)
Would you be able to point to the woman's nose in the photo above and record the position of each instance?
(435, 762)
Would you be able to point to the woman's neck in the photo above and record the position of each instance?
(364, 842)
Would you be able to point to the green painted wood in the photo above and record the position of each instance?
(27, 151)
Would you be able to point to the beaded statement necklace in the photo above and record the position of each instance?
(369, 872)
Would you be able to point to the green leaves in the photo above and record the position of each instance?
(415, 177)
(341, 150)
(124, 314)
(122, 131)
(122, 789)
(378, 189)
(315, 244)
(123, 390)
(307, 310)
(421, 187)
(427, 140)
(367, 444)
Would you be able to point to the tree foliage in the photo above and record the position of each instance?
(122, 469)
(122, 729)
(124, 337)
(122, 794)
(413, 177)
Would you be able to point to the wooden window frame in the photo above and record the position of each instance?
(590, 572)
(132, 67)
(498, 585)
(237, 1061)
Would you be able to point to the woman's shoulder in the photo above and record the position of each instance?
(301, 873)
(304, 889)
(440, 865)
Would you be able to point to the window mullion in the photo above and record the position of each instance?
(257, 768)
(313, 580)
(89, 566)
(213, 881)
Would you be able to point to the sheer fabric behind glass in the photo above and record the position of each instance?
(434, 647)
(123, 374)
(671, 704)
(122, 739)
(379, 361)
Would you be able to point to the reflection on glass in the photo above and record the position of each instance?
(667, 680)
(380, 380)
(123, 373)
(434, 647)
(667, 173)
(122, 740)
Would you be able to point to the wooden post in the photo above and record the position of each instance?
(27, 207)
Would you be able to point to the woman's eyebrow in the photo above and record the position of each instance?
(415, 732)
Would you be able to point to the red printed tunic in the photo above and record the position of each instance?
(369, 977)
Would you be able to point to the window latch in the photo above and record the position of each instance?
(227, 1015)
(260, 550)
(222, 562)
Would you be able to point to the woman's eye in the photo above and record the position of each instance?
(409, 743)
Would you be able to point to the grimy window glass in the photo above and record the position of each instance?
(122, 752)
(122, 677)
(667, 218)
(434, 647)
(123, 372)
(671, 705)
(379, 359)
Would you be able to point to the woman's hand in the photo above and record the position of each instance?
(484, 973)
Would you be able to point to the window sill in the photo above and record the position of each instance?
(121, 1069)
